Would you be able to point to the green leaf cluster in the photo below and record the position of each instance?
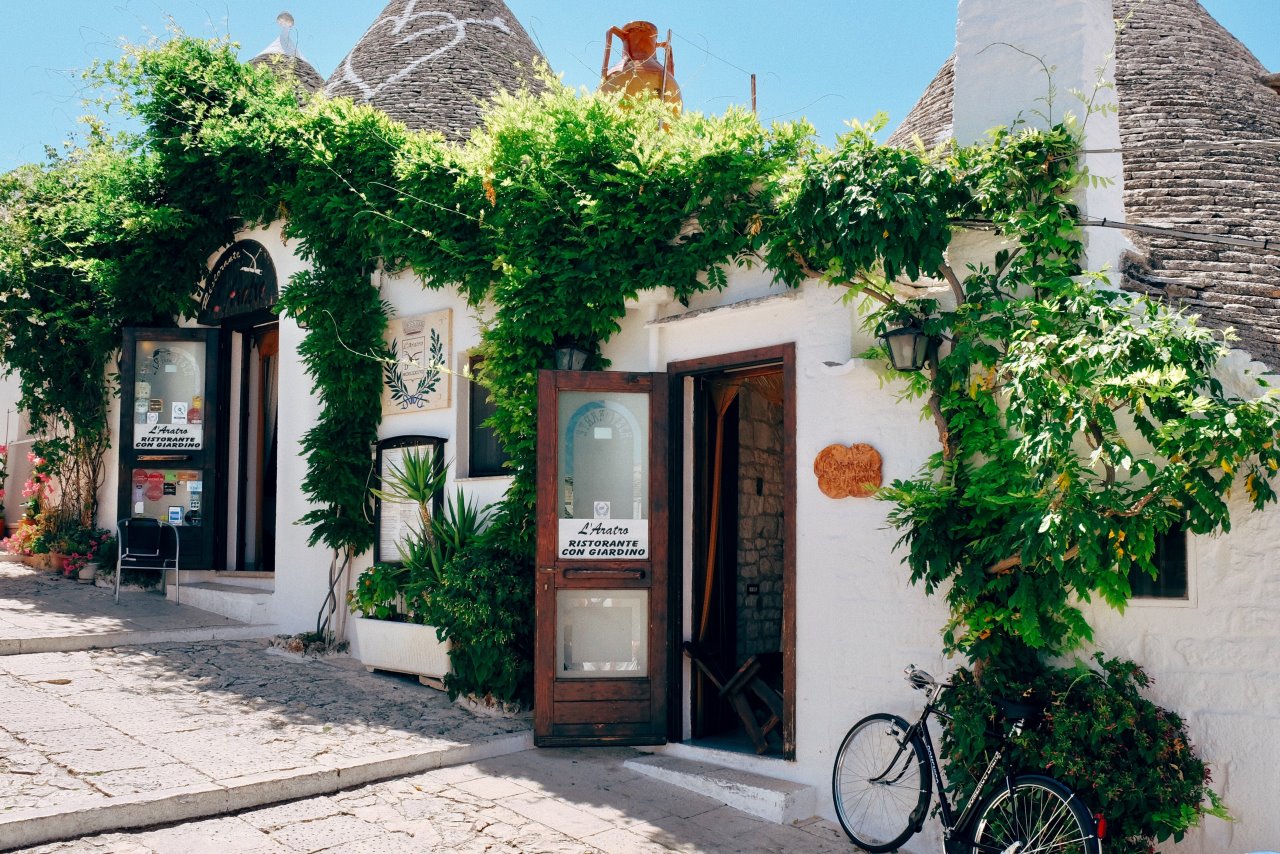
(1129, 759)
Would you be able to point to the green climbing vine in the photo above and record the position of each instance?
(1075, 424)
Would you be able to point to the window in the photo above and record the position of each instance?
(485, 452)
(1171, 565)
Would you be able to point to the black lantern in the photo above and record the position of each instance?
(570, 357)
(908, 347)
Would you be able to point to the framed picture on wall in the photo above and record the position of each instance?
(416, 378)
(396, 521)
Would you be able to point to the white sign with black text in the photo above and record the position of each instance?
(603, 539)
(168, 437)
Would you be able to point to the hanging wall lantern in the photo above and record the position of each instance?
(570, 357)
(640, 71)
(908, 347)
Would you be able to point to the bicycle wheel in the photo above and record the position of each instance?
(1034, 815)
(880, 783)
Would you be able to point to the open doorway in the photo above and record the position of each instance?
(254, 416)
(738, 637)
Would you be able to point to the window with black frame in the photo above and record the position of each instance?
(486, 455)
(1171, 569)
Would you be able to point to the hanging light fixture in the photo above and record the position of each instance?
(908, 347)
(570, 357)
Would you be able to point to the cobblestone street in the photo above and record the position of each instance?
(533, 801)
(214, 742)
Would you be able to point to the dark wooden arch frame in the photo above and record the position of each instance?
(785, 356)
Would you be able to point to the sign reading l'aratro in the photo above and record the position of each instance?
(168, 437)
(604, 539)
(242, 281)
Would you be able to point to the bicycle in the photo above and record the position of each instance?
(882, 790)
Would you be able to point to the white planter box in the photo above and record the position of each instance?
(401, 648)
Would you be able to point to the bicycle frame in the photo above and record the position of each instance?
(953, 826)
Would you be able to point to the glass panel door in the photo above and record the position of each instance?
(168, 434)
(601, 658)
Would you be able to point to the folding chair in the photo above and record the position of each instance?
(148, 544)
(735, 690)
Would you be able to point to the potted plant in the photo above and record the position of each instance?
(86, 550)
(389, 599)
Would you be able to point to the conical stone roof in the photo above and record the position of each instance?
(1199, 128)
(930, 118)
(283, 56)
(304, 72)
(432, 64)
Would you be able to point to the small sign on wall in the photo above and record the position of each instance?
(851, 471)
(416, 379)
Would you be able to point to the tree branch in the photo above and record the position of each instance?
(1135, 509)
(1001, 567)
(1095, 431)
(867, 289)
(957, 290)
(939, 420)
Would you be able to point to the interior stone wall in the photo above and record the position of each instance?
(760, 509)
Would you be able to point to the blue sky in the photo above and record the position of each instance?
(829, 60)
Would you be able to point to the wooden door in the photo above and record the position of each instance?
(601, 654)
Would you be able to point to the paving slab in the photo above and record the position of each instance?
(134, 736)
(556, 801)
(44, 611)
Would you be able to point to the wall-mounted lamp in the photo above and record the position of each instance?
(908, 347)
(571, 357)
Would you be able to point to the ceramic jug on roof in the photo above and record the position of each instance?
(640, 71)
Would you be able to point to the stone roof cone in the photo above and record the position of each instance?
(283, 54)
(1199, 119)
(432, 64)
(1199, 124)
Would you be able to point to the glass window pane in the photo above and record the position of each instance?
(170, 495)
(602, 482)
(602, 634)
(486, 453)
(168, 408)
(1171, 565)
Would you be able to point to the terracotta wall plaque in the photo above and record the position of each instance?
(847, 472)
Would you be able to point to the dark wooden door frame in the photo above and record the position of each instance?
(205, 548)
(783, 355)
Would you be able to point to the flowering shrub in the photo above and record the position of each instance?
(20, 542)
(1127, 758)
(83, 546)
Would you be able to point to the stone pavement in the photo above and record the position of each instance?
(211, 741)
(560, 801)
(132, 736)
(45, 612)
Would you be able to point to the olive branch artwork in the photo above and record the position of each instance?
(427, 383)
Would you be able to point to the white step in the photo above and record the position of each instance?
(778, 801)
(250, 605)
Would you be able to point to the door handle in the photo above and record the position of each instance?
(602, 573)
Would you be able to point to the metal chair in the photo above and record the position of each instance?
(147, 543)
